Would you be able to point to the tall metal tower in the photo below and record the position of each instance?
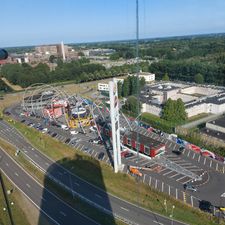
(114, 114)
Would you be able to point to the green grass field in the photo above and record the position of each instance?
(119, 184)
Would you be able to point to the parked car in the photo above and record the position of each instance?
(54, 134)
(101, 155)
(179, 151)
(190, 187)
(73, 132)
(67, 140)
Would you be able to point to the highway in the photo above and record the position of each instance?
(55, 209)
(129, 212)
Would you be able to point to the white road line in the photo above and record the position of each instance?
(193, 156)
(62, 213)
(124, 209)
(156, 181)
(96, 154)
(188, 153)
(150, 180)
(180, 178)
(99, 196)
(186, 181)
(204, 161)
(217, 166)
(174, 175)
(185, 164)
(168, 173)
(199, 158)
(210, 163)
(16, 174)
(75, 183)
(144, 178)
(28, 185)
(158, 222)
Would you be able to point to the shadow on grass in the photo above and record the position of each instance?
(69, 187)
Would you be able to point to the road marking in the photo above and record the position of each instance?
(217, 166)
(150, 180)
(204, 161)
(210, 163)
(61, 212)
(99, 196)
(28, 185)
(144, 178)
(169, 189)
(162, 186)
(188, 153)
(174, 175)
(168, 173)
(47, 164)
(76, 184)
(199, 158)
(16, 174)
(158, 222)
(193, 156)
(180, 178)
(185, 164)
(124, 209)
(6, 164)
(176, 193)
(156, 181)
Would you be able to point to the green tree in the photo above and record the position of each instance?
(131, 105)
(199, 79)
(52, 59)
(126, 88)
(166, 77)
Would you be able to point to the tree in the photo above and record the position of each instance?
(52, 59)
(119, 88)
(174, 111)
(131, 105)
(126, 88)
(165, 77)
(199, 79)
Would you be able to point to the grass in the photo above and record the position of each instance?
(119, 184)
(18, 215)
(75, 202)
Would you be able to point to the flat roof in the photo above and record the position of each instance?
(213, 133)
(163, 87)
(218, 99)
(219, 122)
(147, 141)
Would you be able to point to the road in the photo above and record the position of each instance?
(98, 197)
(56, 211)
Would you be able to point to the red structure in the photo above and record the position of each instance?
(146, 145)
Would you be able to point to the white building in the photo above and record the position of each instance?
(149, 77)
(103, 87)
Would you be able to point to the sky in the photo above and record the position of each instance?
(35, 22)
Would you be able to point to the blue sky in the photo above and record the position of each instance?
(33, 22)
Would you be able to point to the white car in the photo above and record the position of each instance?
(64, 127)
(73, 132)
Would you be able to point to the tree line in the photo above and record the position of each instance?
(78, 71)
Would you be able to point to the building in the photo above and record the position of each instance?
(217, 125)
(197, 99)
(103, 87)
(149, 77)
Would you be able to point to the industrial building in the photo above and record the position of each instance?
(197, 99)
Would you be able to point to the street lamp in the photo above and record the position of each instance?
(171, 215)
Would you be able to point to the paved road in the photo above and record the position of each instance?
(119, 207)
(50, 205)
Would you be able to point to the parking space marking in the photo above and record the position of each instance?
(176, 174)
(210, 163)
(150, 180)
(193, 156)
(181, 178)
(185, 164)
(168, 173)
(199, 158)
(217, 166)
(204, 161)
(188, 153)
(195, 170)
